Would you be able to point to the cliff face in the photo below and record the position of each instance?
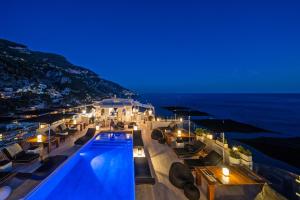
(37, 79)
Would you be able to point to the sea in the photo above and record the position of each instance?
(277, 112)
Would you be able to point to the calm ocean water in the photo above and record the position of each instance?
(277, 112)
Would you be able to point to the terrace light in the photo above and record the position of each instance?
(139, 151)
(179, 133)
(234, 148)
(39, 138)
(225, 171)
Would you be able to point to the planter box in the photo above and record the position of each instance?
(245, 157)
(221, 144)
(234, 161)
(201, 138)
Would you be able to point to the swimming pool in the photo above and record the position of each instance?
(102, 169)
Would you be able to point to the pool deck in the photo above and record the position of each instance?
(22, 187)
(161, 157)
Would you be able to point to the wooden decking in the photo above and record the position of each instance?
(162, 156)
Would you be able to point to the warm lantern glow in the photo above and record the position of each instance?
(179, 133)
(180, 119)
(84, 111)
(150, 112)
(135, 128)
(97, 127)
(210, 136)
(39, 138)
(225, 171)
(158, 119)
(234, 148)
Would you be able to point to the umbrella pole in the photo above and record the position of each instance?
(49, 138)
(189, 129)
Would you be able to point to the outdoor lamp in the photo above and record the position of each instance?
(150, 112)
(139, 151)
(83, 111)
(179, 133)
(39, 138)
(97, 127)
(158, 119)
(225, 171)
(135, 128)
(234, 148)
(180, 119)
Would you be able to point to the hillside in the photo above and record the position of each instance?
(37, 79)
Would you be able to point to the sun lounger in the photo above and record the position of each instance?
(47, 167)
(142, 171)
(84, 139)
(211, 159)
(190, 150)
(137, 139)
(16, 154)
(5, 176)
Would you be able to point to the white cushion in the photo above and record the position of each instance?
(4, 192)
(62, 133)
(7, 167)
(14, 149)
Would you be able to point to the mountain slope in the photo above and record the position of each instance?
(30, 78)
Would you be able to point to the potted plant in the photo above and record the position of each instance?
(219, 141)
(246, 155)
(200, 134)
(234, 157)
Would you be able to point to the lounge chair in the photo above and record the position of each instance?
(142, 171)
(190, 150)
(211, 159)
(48, 165)
(180, 175)
(62, 136)
(131, 125)
(157, 134)
(119, 126)
(84, 139)
(16, 154)
(5, 176)
(137, 139)
(70, 130)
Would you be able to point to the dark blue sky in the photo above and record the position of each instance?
(168, 46)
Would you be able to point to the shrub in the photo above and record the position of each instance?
(244, 151)
(234, 154)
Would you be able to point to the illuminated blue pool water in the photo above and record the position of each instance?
(102, 169)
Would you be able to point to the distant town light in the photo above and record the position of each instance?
(234, 148)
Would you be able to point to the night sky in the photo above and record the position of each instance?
(168, 46)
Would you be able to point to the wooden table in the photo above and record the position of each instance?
(44, 141)
(236, 178)
(173, 136)
(81, 125)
